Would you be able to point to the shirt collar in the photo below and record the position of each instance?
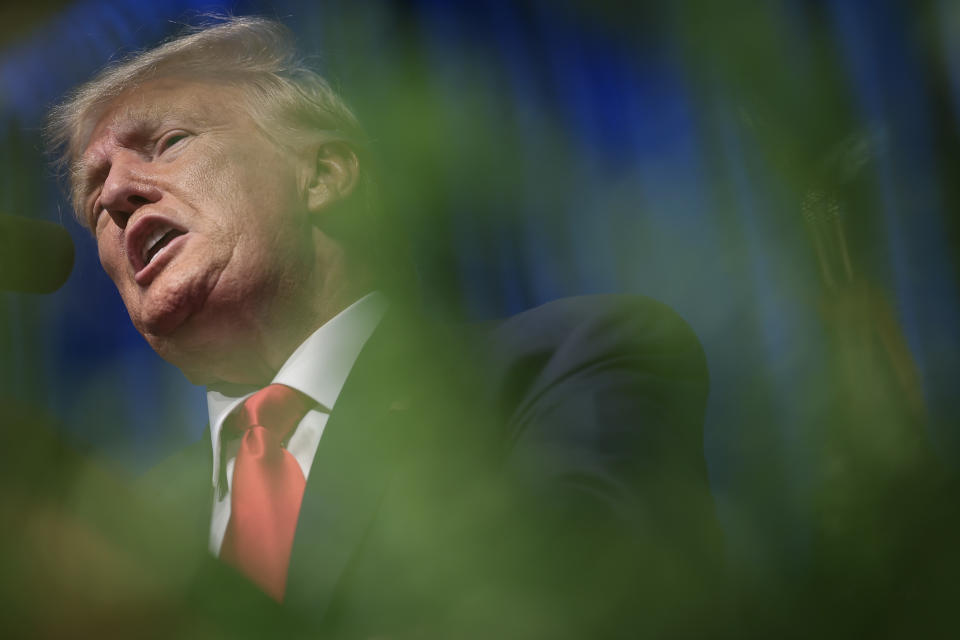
(319, 367)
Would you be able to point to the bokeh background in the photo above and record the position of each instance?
(783, 173)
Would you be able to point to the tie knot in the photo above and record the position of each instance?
(277, 407)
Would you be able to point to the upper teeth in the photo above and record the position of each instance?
(152, 241)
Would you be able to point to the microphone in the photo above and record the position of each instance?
(36, 256)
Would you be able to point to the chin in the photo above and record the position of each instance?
(172, 331)
(166, 311)
(201, 329)
(161, 327)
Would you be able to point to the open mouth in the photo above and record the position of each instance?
(157, 242)
(148, 240)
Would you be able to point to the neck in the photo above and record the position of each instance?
(256, 363)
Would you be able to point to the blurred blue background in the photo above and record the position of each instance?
(672, 149)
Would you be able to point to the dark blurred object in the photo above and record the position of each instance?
(35, 256)
(18, 19)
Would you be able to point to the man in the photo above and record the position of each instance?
(543, 477)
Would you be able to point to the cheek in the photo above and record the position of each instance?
(112, 256)
(249, 180)
(201, 183)
(113, 259)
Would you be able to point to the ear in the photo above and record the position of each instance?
(334, 175)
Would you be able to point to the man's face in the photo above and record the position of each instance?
(199, 219)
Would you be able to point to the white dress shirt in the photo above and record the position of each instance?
(318, 368)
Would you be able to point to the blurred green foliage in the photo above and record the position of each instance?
(877, 499)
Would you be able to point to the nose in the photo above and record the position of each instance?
(128, 187)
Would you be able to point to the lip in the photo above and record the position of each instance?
(137, 235)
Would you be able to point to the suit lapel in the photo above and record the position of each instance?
(350, 473)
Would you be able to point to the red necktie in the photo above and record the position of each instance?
(267, 487)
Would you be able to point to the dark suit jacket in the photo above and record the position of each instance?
(539, 477)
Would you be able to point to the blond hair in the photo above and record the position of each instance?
(285, 97)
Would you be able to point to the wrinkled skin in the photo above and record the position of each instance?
(251, 275)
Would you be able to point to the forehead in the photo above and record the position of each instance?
(165, 101)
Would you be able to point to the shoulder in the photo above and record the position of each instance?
(601, 325)
(606, 311)
(594, 344)
(602, 400)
